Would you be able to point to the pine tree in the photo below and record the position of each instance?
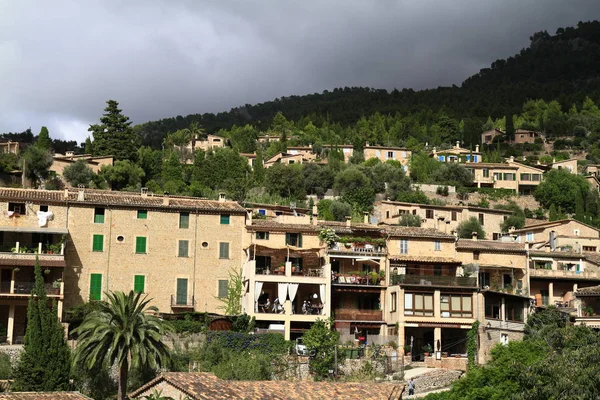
(45, 362)
(259, 169)
(552, 213)
(43, 140)
(88, 146)
(114, 135)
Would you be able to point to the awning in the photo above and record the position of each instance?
(34, 229)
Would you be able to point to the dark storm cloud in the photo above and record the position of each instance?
(60, 60)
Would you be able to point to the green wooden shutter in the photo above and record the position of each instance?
(142, 214)
(223, 250)
(140, 244)
(184, 220)
(99, 215)
(182, 287)
(183, 248)
(223, 285)
(98, 243)
(95, 286)
(224, 219)
(299, 244)
(139, 283)
(287, 238)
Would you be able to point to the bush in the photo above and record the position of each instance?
(442, 191)
(466, 228)
(410, 220)
(5, 366)
(269, 343)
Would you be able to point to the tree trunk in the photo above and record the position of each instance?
(123, 371)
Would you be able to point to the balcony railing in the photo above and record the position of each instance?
(178, 301)
(305, 271)
(553, 273)
(32, 248)
(434, 280)
(352, 249)
(351, 279)
(25, 288)
(358, 315)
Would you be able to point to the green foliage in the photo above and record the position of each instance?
(6, 370)
(8, 162)
(285, 181)
(96, 383)
(114, 135)
(472, 338)
(466, 228)
(122, 332)
(452, 174)
(45, 363)
(36, 162)
(43, 141)
(321, 339)
(123, 175)
(88, 146)
(517, 219)
(243, 323)
(79, 173)
(410, 220)
(561, 189)
(232, 303)
(422, 167)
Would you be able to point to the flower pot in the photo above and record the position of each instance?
(444, 355)
(427, 354)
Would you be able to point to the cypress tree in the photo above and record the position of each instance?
(88, 146)
(45, 362)
(510, 127)
(579, 207)
(259, 169)
(43, 140)
(553, 215)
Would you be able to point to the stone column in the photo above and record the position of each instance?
(288, 327)
(437, 336)
(437, 305)
(550, 293)
(11, 324)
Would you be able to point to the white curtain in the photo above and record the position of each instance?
(257, 290)
(282, 289)
(322, 293)
(292, 290)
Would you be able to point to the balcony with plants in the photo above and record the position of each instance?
(560, 269)
(432, 275)
(353, 245)
(17, 281)
(26, 246)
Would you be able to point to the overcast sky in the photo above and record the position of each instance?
(60, 60)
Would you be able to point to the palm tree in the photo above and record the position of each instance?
(122, 332)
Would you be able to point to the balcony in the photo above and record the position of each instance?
(178, 301)
(20, 253)
(565, 274)
(357, 249)
(358, 315)
(498, 324)
(371, 279)
(434, 280)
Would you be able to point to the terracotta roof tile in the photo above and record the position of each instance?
(127, 199)
(44, 395)
(588, 291)
(200, 385)
(410, 231)
(490, 245)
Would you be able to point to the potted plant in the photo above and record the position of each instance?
(444, 354)
(47, 271)
(328, 236)
(56, 283)
(427, 349)
(588, 311)
(407, 349)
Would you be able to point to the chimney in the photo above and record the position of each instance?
(553, 159)
(511, 159)
(367, 144)
(222, 197)
(476, 148)
(144, 192)
(365, 217)
(81, 195)
(166, 199)
(315, 210)
(457, 145)
(474, 236)
(348, 221)
(249, 215)
(434, 151)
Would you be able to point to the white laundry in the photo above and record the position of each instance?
(11, 213)
(44, 217)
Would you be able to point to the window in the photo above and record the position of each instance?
(536, 177)
(525, 177)
(17, 208)
(182, 287)
(589, 248)
(387, 214)
(429, 214)
(475, 158)
(183, 248)
(262, 235)
(495, 235)
(504, 339)
(262, 212)
(224, 219)
(456, 306)
(263, 263)
(390, 155)
(223, 250)
(184, 220)
(418, 304)
(510, 176)
(296, 263)
(98, 215)
(437, 245)
(498, 176)
(529, 237)
(142, 214)
(481, 219)
(484, 279)
(403, 246)
(442, 158)
(140, 244)
(454, 215)
(493, 305)
(223, 285)
(44, 208)
(393, 302)
(506, 281)
(139, 283)
(98, 243)
(95, 286)
(513, 309)
(293, 239)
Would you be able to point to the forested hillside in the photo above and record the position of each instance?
(564, 67)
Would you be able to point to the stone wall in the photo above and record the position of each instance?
(452, 363)
(435, 379)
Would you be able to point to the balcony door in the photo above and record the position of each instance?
(182, 289)
(5, 278)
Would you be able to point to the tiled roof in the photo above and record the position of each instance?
(126, 199)
(490, 165)
(44, 395)
(588, 291)
(435, 260)
(341, 227)
(200, 385)
(588, 255)
(446, 207)
(548, 224)
(267, 224)
(385, 148)
(489, 245)
(411, 231)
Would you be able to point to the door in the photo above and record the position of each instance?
(545, 297)
(5, 278)
(182, 287)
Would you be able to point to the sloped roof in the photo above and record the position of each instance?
(490, 245)
(411, 231)
(270, 225)
(113, 198)
(548, 224)
(201, 385)
(424, 259)
(588, 291)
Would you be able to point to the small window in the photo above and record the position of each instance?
(504, 339)
(224, 219)
(486, 173)
(475, 255)
(262, 212)
(98, 215)
(139, 283)
(44, 208)
(429, 214)
(223, 286)
(403, 246)
(390, 155)
(120, 238)
(262, 235)
(17, 208)
(142, 214)
(95, 286)
(183, 248)
(387, 214)
(98, 243)
(437, 245)
(184, 220)
(205, 244)
(454, 215)
(293, 239)
(529, 237)
(140, 244)
(481, 219)
(393, 302)
(224, 250)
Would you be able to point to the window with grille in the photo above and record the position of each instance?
(225, 219)
(293, 239)
(183, 248)
(223, 285)
(403, 246)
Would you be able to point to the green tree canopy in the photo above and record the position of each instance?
(466, 228)
(43, 140)
(561, 189)
(79, 173)
(321, 339)
(123, 175)
(114, 135)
